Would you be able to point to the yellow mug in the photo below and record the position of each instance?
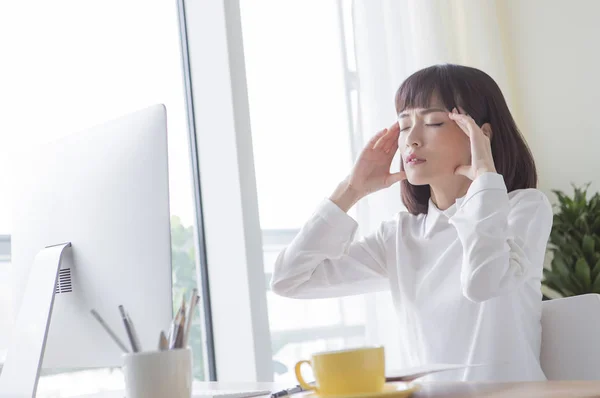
(354, 371)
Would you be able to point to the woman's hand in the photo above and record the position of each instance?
(481, 148)
(371, 172)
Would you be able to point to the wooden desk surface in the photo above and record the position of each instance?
(554, 389)
(549, 389)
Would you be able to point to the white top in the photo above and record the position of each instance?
(465, 281)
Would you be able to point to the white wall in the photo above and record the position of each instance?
(555, 71)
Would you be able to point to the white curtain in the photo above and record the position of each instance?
(393, 39)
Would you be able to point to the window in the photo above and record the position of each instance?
(301, 119)
(70, 64)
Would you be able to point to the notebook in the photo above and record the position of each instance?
(410, 374)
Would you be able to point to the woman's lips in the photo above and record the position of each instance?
(415, 162)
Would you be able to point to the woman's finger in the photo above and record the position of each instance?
(395, 177)
(391, 146)
(375, 139)
(381, 140)
(395, 128)
(463, 171)
(390, 152)
(391, 135)
(465, 122)
(391, 138)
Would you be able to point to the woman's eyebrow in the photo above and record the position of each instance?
(423, 112)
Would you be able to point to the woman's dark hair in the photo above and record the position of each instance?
(480, 97)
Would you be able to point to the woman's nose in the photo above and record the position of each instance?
(414, 137)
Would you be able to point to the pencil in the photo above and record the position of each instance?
(190, 316)
(109, 331)
(163, 344)
(180, 331)
(172, 331)
(176, 326)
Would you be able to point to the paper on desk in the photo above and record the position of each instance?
(414, 373)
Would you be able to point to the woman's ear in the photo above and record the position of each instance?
(487, 130)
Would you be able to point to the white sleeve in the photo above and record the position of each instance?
(504, 241)
(323, 261)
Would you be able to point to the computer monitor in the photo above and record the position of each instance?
(106, 191)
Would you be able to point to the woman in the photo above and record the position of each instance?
(464, 264)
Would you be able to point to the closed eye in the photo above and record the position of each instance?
(428, 125)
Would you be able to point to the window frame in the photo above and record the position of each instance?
(221, 119)
(242, 342)
(201, 255)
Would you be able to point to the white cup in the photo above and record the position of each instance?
(158, 374)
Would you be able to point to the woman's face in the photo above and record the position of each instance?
(431, 145)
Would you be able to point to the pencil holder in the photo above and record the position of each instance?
(158, 374)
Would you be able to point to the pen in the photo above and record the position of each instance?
(109, 331)
(134, 346)
(287, 392)
(172, 331)
(134, 333)
(298, 388)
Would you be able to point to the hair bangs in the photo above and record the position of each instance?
(418, 90)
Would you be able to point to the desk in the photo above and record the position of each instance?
(550, 389)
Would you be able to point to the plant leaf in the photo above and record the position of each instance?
(559, 265)
(588, 247)
(564, 283)
(582, 271)
(556, 283)
(596, 270)
(563, 199)
(596, 284)
(596, 226)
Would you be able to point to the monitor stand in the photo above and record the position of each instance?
(25, 354)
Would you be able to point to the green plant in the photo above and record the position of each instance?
(184, 280)
(575, 245)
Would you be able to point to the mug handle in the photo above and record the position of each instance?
(303, 383)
